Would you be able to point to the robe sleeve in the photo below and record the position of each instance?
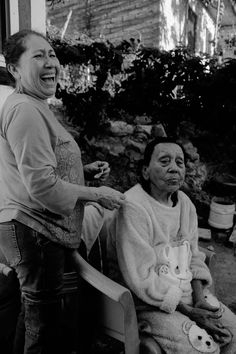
(198, 266)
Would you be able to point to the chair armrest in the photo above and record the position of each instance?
(5, 270)
(210, 257)
(210, 262)
(115, 292)
(98, 280)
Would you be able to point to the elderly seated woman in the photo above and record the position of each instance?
(152, 247)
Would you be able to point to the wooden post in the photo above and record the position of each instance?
(217, 25)
(24, 7)
(66, 24)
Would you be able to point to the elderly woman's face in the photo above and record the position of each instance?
(38, 68)
(166, 170)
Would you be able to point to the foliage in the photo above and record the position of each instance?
(88, 80)
(161, 84)
(98, 80)
(101, 81)
(191, 95)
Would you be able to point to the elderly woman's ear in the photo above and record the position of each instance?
(145, 173)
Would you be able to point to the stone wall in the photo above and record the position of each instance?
(122, 144)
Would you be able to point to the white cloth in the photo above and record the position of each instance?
(142, 241)
(92, 224)
(142, 237)
(5, 91)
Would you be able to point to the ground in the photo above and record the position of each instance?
(224, 273)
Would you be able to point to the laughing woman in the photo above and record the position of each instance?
(43, 190)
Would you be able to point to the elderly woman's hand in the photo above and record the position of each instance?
(203, 304)
(210, 321)
(98, 170)
(225, 337)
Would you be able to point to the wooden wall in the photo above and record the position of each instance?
(113, 19)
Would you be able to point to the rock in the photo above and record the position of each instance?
(120, 128)
(116, 149)
(136, 146)
(107, 145)
(158, 130)
(143, 120)
(134, 156)
(211, 248)
(191, 151)
(143, 128)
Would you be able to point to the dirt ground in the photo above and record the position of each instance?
(224, 270)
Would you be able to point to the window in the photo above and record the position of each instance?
(191, 29)
(4, 21)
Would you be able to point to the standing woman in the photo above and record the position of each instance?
(43, 190)
(9, 288)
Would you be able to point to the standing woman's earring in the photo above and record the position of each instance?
(19, 88)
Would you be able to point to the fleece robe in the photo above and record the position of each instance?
(153, 250)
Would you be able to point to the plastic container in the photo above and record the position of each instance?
(221, 214)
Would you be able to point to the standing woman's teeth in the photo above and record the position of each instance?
(49, 78)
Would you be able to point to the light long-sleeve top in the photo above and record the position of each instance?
(5, 91)
(153, 249)
(40, 170)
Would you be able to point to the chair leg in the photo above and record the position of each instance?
(148, 345)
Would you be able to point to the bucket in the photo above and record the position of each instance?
(221, 213)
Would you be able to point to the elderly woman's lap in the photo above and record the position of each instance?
(229, 321)
(176, 333)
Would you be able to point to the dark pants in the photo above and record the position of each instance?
(39, 265)
(9, 309)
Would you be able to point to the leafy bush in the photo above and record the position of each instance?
(88, 82)
(104, 80)
(191, 95)
(161, 84)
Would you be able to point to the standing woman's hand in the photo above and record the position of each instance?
(98, 170)
(108, 198)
